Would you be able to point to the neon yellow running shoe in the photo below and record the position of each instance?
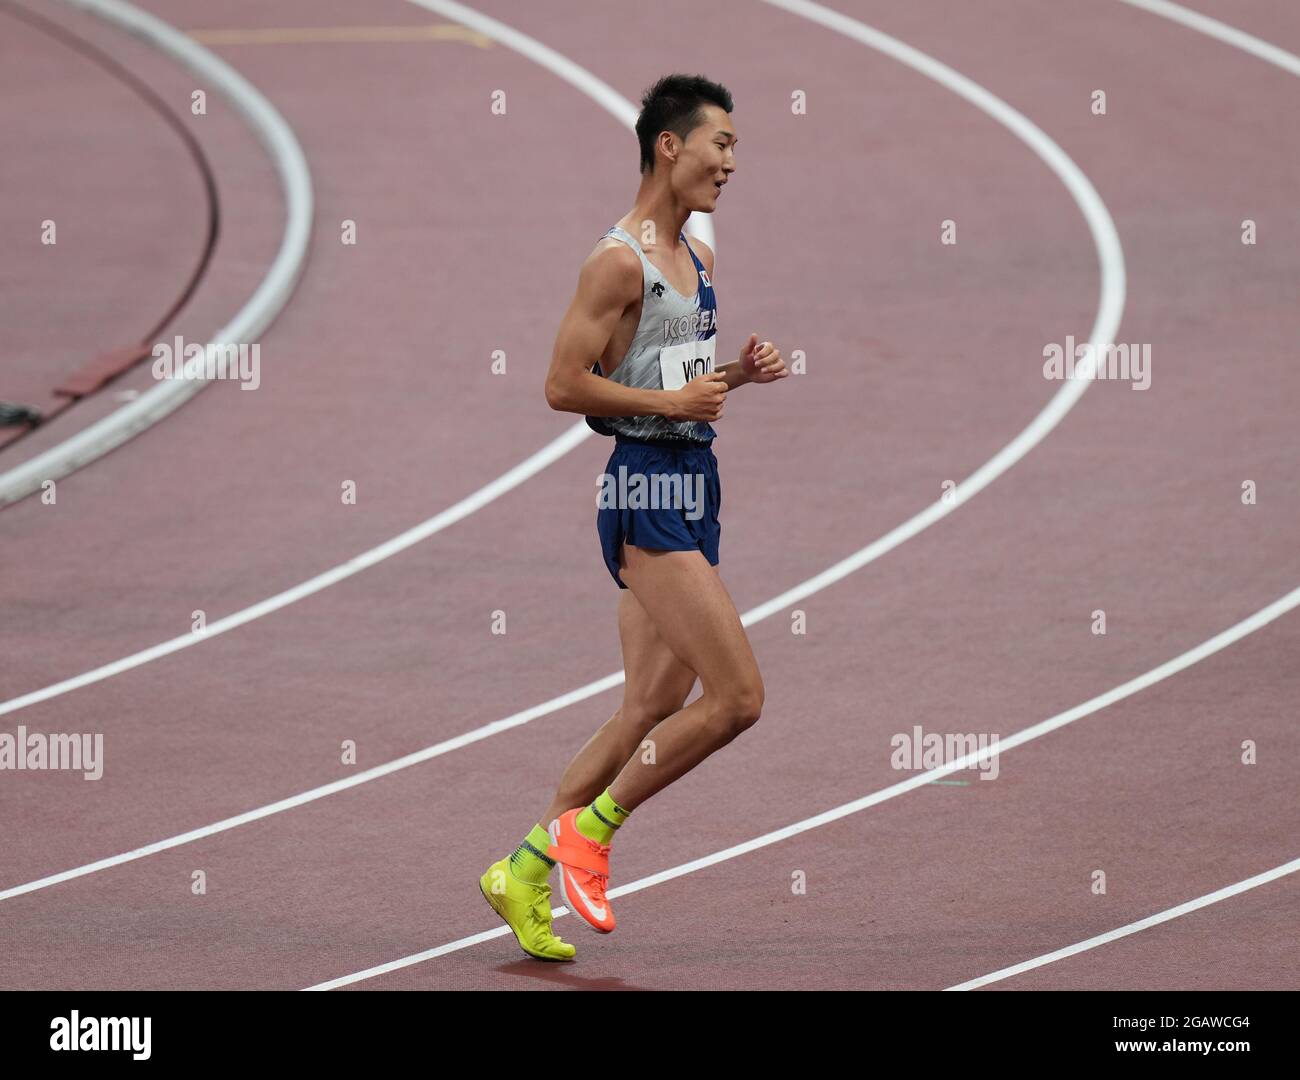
(526, 909)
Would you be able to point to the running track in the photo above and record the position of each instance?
(923, 361)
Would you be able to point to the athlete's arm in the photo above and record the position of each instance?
(760, 361)
(608, 284)
(734, 372)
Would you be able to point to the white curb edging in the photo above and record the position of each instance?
(262, 307)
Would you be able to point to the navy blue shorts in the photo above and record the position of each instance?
(664, 498)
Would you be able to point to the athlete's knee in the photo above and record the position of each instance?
(751, 704)
(740, 707)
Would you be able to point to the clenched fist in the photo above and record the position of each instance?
(761, 361)
(699, 399)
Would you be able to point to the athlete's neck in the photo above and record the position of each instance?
(657, 203)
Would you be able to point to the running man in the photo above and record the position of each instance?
(635, 355)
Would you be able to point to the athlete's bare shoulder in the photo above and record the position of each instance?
(612, 270)
(703, 250)
(609, 283)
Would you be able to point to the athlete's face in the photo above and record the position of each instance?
(706, 161)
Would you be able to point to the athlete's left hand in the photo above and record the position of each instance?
(761, 361)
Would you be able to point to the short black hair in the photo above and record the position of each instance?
(675, 104)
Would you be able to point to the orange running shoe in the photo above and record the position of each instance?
(584, 871)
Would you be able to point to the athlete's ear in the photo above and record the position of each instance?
(668, 144)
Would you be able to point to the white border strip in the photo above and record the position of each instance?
(1107, 322)
(257, 314)
(1133, 927)
(1170, 667)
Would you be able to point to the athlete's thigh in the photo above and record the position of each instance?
(693, 613)
(657, 682)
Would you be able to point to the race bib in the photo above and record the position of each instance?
(679, 364)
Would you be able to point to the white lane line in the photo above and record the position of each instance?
(1230, 35)
(1132, 928)
(1170, 667)
(301, 799)
(1106, 323)
(512, 478)
(1109, 311)
(121, 425)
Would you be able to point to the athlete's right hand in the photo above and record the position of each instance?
(699, 399)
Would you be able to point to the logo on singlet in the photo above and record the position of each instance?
(657, 288)
(697, 322)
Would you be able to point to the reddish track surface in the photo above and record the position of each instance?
(923, 360)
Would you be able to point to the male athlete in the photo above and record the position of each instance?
(645, 319)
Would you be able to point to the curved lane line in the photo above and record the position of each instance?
(1230, 35)
(1165, 916)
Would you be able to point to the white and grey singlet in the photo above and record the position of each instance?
(674, 342)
